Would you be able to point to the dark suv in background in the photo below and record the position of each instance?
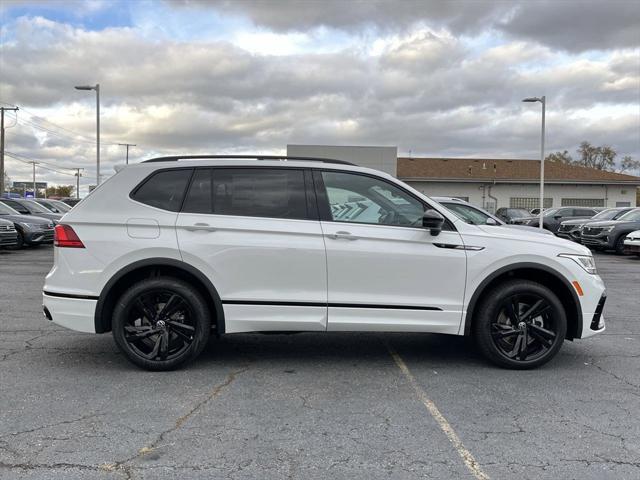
(31, 230)
(508, 215)
(552, 218)
(571, 229)
(610, 235)
(29, 207)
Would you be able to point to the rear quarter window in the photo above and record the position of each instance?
(164, 189)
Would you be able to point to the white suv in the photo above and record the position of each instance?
(170, 249)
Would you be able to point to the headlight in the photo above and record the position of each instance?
(608, 229)
(30, 226)
(585, 261)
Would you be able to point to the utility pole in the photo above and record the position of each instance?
(78, 175)
(127, 145)
(35, 191)
(2, 110)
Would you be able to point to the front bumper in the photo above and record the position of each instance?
(603, 240)
(38, 236)
(74, 313)
(8, 239)
(573, 235)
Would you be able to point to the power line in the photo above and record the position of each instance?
(36, 160)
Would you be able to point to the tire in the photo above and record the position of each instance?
(19, 243)
(534, 339)
(161, 323)
(619, 248)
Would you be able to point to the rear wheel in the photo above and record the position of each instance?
(521, 324)
(161, 323)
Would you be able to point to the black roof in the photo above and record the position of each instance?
(246, 157)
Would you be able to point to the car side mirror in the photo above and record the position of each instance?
(557, 217)
(491, 221)
(433, 220)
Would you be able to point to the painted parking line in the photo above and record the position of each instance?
(431, 407)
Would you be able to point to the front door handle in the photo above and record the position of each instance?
(342, 236)
(200, 227)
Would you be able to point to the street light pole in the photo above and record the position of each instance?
(96, 87)
(543, 101)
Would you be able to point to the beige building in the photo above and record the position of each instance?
(491, 183)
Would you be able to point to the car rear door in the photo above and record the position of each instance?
(254, 231)
(386, 272)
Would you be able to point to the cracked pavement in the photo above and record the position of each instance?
(312, 406)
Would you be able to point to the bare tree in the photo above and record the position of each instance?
(560, 157)
(628, 163)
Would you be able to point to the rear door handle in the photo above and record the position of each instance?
(343, 236)
(205, 227)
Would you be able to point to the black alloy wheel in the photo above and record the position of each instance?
(161, 323)
(524, 328)
(521, 324)
(619, 247)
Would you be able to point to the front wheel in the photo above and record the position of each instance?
(520, 325)
(620, 245)
(161, 323)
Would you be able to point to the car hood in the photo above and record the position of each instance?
(27, 219)
(578, 221)
(532, 235)
(529, 228)
(610, 223)
(51, 216)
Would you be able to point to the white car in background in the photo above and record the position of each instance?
(170, 250)
(632, 243)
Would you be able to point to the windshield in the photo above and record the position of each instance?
(469, 214)
(35, 206)
(7, 210)
(632, 216)
(610, 214)
(63, 207)
(550, 213)
(518, 212)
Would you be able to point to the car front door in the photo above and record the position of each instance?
(255, 233)
(385, 271)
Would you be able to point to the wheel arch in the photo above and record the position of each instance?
(541, 274)
(150, 267)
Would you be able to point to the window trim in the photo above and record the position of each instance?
(310, 201)
(325, 212)
(150, 176)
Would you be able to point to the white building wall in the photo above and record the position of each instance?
(613, 195)
(380, 158)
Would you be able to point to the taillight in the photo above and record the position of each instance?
(65, 237)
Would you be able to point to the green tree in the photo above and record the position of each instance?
(559, 157)
(60, 191)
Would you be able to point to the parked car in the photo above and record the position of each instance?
(54, 206)
(552, 218)
(168, 250)
(31, 230)
(8, 234)
(536, 211)
(570, 229)
(632, 243)
(30, 207)
(508, 215)
(610, 235)
(478, 216)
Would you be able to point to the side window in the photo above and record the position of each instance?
(165, 189)
(361, 199)
(249, 192)
(199, 198)
(584, 212)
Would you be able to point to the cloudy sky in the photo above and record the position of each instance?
(435, 78)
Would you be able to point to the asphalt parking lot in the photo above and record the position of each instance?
(314, 406)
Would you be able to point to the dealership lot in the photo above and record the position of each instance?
(314, 405)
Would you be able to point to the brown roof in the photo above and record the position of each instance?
(503, 170)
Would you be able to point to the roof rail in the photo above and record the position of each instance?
(240, 157)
